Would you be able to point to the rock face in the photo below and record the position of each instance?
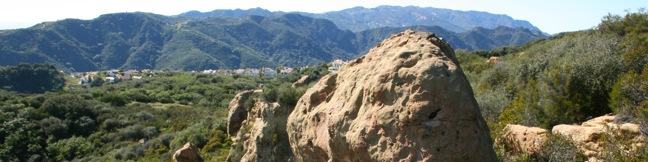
(522, 139)
(406, 100)
(188, 153)
(304, 80)
(590, 136)
(257, 129)
(237, 112)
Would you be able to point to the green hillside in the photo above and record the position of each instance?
(149, 41)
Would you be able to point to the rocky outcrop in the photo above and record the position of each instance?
(237, 112)
(304, 80)
(188, 153)
(522, 139)
(406, 100)
(593, 136)
(257, 129)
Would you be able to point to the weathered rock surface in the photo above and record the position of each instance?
(523, 139)
(304, 80)
(406, 100)
(188, 153)
(590, 136)
(260, 134)
(237, 112)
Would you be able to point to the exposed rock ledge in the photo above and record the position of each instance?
(589, 137)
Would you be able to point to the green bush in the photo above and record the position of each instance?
(114, 99)
(69, 149)
(54, 127)
(196, 134)
(31, 78)
(287, 95)
(21, 140)
(629, 97)
(558, 148)
(632, 27)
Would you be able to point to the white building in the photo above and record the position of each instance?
(268, 72)
(335, 65)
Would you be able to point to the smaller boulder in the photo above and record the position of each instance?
(493, 60)
(589, 137)
(188, 153)
(522, 139)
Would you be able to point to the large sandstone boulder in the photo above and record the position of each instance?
(406, 100)
(260, 135)
(592, 136)
(188, 153)
(523, 139)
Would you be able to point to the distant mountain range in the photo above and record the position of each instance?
(359, 18)
(150, 41)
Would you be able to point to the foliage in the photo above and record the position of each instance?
(629, 97)
(558, 148)
(142, 120)
(68, 149)
(115, 99)
(634, 29)
(560, 80)
(31, 78)
(284, 93)
(566, 78)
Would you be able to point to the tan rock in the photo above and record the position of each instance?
(493, 60)
(188, 153)
(406, 100)
(589, 136)
(262, 134)
(522, 139)
(237, 112)
(304, 80)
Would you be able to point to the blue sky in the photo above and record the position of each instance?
(551, 16)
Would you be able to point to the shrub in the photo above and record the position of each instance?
(629, 97)
(22, 139)
(138, 95)
(67, 106)
(196, 134)
(114, 99)
(111, 124)
(54, 127)
(287, 95)
(133, 132)
(69, 149)
(31, 78)
(557, 148)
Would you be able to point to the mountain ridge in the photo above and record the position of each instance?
(360, 18)
(150, 41)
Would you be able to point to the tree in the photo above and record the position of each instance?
(31, 78)
(69, 149)
(74, 110)
(629, 97)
